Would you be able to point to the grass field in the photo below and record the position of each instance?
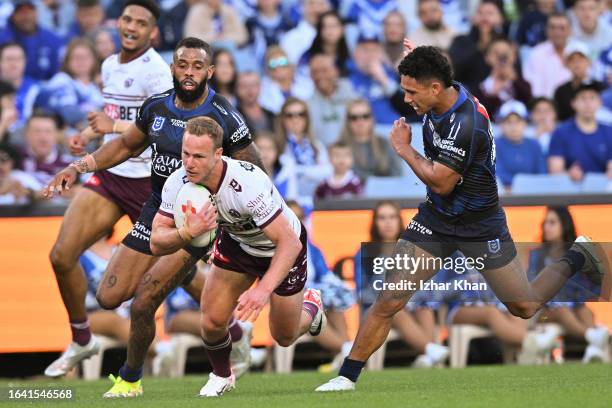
(555, 386)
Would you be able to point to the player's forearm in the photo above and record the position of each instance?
(166, 240)
(287, 251)
(112, 153)
(424, 170)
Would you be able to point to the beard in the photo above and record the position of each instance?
(189, 96)
(434, 25)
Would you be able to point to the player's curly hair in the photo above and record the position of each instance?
(427, 63)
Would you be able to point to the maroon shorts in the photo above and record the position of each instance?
(228, 255)
(128, 193)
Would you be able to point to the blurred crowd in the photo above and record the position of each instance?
(316, 81)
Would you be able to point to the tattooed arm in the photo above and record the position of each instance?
(251, 154)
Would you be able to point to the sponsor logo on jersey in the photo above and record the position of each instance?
(128, 82)
(234, 213)
(164, 166)
(220, 108)
(116, 112)
(240, 133)
(418, 227)
(452, 118)
(178, 123)
(158, 123)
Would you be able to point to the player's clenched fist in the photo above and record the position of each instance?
(401, 135)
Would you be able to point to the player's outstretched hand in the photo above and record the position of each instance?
(251, 303)
(401, 135)
(202, 221)
(408, 46)
(100, 122)
(61, 182)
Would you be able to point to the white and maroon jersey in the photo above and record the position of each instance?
(125, 87)
(246, 202)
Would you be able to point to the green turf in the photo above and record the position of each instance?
(571, 385)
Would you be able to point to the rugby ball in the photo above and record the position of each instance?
(198, 195)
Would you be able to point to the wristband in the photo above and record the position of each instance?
(86, 164)
(184, 234)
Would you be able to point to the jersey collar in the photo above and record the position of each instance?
(461, 97)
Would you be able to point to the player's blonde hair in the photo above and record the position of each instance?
(203, 125)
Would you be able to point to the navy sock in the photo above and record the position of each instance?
(129, 374)
(351, 369)
(574, 259)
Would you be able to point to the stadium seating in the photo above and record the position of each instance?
(92, 367)
(460, 336)
(537, 184)
(283, 356)
(181, 343)
(394, 187)
(377, 360)
(596, 183)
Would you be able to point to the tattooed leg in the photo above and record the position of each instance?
(122, 276)
(156, 284)
(375, 329)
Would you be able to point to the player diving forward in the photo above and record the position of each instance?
(261, 238)
(134, 271)
(461, 211)
(128, 78)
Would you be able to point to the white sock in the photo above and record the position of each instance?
(597, 336)
(436, 352)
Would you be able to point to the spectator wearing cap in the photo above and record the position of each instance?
(531, 29)
(433, 30)
(42, 46)
(42, 157)
(282, 81)
(577, 60)
(467, 52)
(332, 95)
(16, 186)
(582, 144)
(596, 33)
(503, 83)
(375, 79)
(12, 70)
(298, 40)
(215, 23)
(543, 121)
(515, 153)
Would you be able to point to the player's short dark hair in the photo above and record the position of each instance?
(150, 5)
(203, 125)
(193, 42)
(426, 63)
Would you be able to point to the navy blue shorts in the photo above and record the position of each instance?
(487, 238)
(139, 237)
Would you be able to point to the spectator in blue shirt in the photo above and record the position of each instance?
(375, 79)
(72, 92)
(266, 27)
(369, 15)
(515, 153)
(12, 70)
(582, 144)
(42, 46)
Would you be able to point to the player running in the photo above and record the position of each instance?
(261, 238)
(128, 78)
(461, 211)
(134, 271)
